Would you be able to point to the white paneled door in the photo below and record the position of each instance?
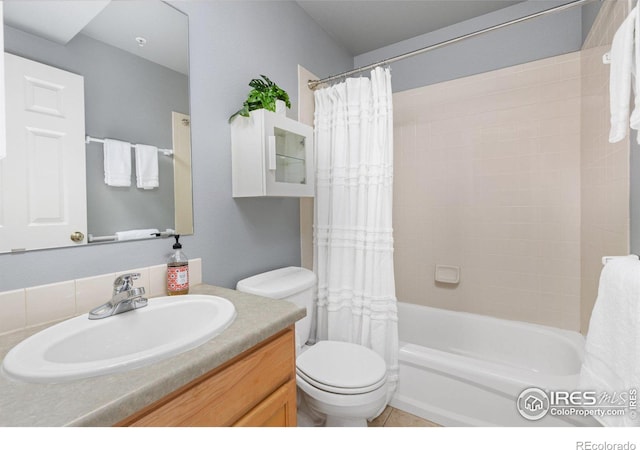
(42, 179)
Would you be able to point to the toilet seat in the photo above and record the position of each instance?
(341, 368)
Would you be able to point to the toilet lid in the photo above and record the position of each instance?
(342, 367)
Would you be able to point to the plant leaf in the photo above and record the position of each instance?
(263, 95)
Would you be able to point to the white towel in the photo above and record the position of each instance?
(606, 259)
(620, 77)
(147, 166)
(634, 121)
(117, 163)
(612, 350)
(136, 234)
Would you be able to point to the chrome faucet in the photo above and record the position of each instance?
(125, 298)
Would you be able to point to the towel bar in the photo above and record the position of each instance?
(89, 139)
(91, 238)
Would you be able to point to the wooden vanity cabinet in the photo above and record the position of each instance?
(256, 388)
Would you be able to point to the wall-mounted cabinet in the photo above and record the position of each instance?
(271, 155)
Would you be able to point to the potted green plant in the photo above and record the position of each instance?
(263, 96)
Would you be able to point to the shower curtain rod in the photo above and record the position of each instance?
(312, 84)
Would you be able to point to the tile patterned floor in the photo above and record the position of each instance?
(393, 417)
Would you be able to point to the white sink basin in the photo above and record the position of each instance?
(80, 348)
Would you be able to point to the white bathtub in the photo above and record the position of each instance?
(461, 369)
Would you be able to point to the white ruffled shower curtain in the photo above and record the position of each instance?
(353, 236)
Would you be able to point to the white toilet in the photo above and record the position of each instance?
(341, 382)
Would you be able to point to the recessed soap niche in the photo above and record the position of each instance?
(447, 274)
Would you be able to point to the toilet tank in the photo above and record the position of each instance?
(294, 284)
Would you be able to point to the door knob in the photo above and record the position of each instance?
(77, 236)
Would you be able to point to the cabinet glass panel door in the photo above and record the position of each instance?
(290, 157)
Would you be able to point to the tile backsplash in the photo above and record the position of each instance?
(24, 308)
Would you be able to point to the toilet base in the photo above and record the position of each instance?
(334, 421)
(341, 410)
(306, 416)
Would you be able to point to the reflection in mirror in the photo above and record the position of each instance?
(133, 58)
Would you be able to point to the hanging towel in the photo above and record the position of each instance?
(611, 363)
(622, 62)
(147, 166)
(634, 121)
(117, 163)
(136, 234)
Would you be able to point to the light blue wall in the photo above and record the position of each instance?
(543, 37)
(230, 43)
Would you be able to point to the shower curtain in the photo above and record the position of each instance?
(353, 236)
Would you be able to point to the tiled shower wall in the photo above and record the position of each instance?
(604, 166)
(487, 178)
(513, 179)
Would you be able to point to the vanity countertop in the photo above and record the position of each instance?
(108, 399)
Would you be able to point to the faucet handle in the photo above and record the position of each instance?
(124, 282)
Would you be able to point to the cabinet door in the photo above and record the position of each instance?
(42, 178)
(224, 397)
(277, 410)
(289, 157)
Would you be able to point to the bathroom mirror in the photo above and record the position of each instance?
(133, 57)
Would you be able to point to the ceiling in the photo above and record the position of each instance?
(165, 29)
(361, 26)
(116, 23)
(56, 21)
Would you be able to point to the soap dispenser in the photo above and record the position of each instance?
(178, 271)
